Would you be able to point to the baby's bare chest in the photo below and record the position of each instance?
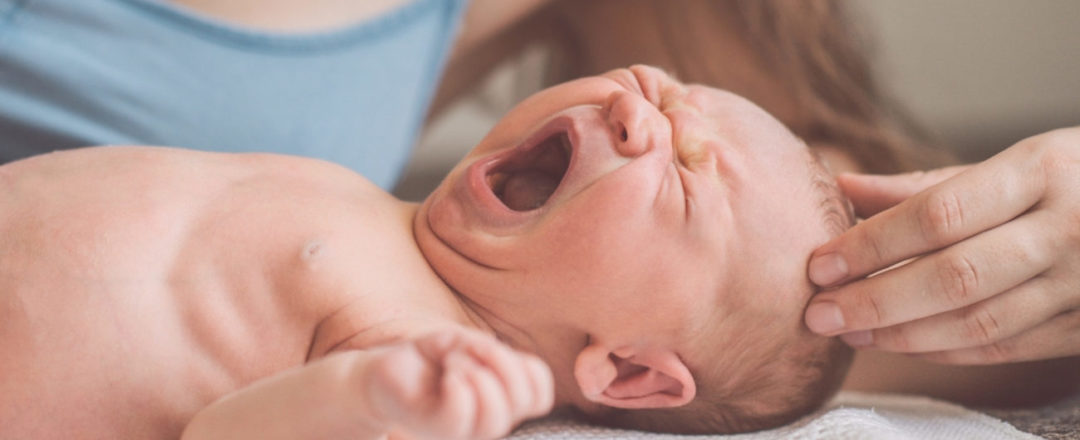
(136, 324)
(132, 309)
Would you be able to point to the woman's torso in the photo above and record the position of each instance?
(148, 72)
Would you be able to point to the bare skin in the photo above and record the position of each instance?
(158, 291)
(993, 287)
(482, 40)
(213, 366)
(207, 285)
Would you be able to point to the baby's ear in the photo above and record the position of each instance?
(630, 378)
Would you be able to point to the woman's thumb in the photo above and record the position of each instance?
(873, 193)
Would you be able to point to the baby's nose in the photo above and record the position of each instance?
(634, 122)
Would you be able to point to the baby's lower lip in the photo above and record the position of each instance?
(480, 177)
(527, 178)
(482, 201)
(486, 205)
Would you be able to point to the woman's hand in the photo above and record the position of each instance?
(997, 278)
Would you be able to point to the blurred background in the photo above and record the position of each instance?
(977, 75)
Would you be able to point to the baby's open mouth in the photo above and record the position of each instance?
(527, 179)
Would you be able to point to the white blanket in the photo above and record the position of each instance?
(848, 416)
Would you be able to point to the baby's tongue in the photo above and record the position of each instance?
(528, 190)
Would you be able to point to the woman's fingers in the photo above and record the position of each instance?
(995, 319)
(998, 277)
(872, 193)
(957, 276)
(975, 200)
(1059, 337)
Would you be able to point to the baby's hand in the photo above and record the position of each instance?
(457, 384)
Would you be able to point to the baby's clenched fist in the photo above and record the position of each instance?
(456, 384)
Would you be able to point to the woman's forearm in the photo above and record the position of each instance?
(320, 400)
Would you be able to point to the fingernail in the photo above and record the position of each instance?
(827, 269)
(860, 338)
(824, 318)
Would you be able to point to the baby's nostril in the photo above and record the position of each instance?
(623, 135)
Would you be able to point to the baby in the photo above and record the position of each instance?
(645, 239)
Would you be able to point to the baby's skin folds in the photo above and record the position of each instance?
(138, 285)
(589, 253)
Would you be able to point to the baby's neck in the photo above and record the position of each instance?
(556, 350)
(389, 291)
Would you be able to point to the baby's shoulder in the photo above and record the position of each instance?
(374, 285)
(362, 258)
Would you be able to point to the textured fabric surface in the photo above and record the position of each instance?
(849, 416)
(1057, 421)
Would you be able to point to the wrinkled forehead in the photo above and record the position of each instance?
(784, 201)
(734, 115)
(781, 195)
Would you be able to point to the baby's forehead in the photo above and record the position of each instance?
(733, 118)
(719, 103)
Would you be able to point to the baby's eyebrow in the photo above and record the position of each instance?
(657, 88)
(626, 79)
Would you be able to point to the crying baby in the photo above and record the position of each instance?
(625, 246)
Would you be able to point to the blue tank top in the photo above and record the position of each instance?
(78, 72)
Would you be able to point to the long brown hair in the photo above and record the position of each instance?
(804, 61)
(823, 59)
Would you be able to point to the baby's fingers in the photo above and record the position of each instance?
(508, 386)
(492, 416)
(508, 367)
(435, 346)
(525, 379)
(542, 385)
(455, 413)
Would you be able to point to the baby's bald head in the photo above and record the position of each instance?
(759, 367)
(661, 267)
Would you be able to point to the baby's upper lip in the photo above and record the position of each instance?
(573, 123)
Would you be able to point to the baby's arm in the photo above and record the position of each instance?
(447, 385)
